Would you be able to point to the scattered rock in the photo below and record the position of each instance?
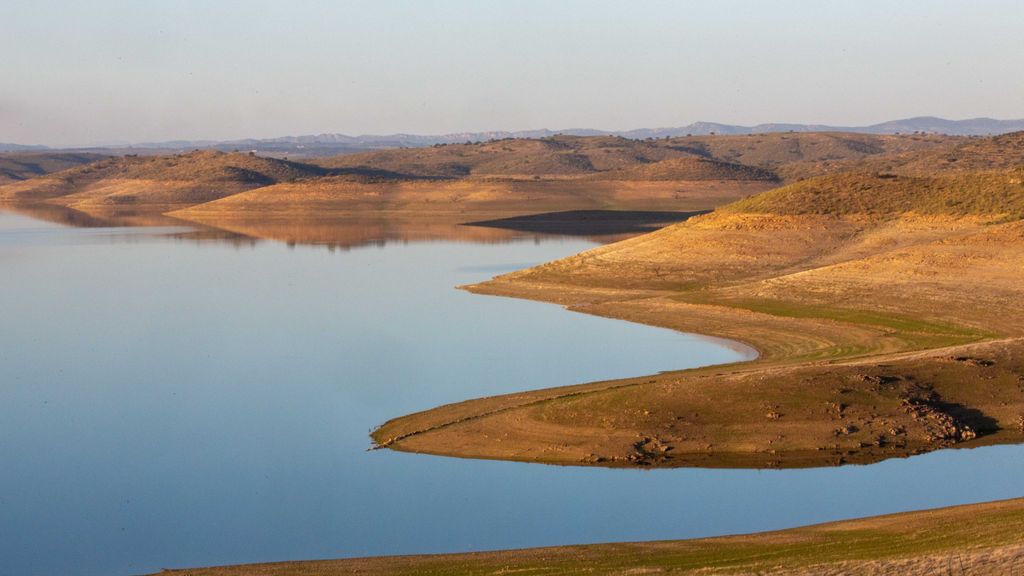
(648, 450)
(971, 361)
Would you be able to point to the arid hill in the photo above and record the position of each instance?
(810, 153)
(796, 155)
(960, 156)
(505, 178)
(466, 199)
(157, 181)
(689, 169)
(17, 166)
(554, 156)
(888, 313)
(529, 176)
(997, 193)
(483, 181)
(778, 148)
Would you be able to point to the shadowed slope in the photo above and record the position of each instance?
(19, 166)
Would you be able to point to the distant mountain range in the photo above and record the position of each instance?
(7, 147)
(314, 144)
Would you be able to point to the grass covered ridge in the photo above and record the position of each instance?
(997, 194)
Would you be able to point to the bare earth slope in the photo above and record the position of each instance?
(976, 539)
(889, 314)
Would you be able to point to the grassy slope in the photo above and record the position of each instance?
(983, 538)
(834, 280)
(996, 194)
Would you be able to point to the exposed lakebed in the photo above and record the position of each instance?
(167, 401)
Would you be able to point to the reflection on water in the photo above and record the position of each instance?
(130, 223)
(70, 217)
(351, 231)
(175, 403)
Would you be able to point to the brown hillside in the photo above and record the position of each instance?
(24, 165)
(977, 193)
(866, 297)
(181, 179)
(477, 199)
(556, 156)
(693, 169)
(795, 155)
(791, 155)
(964, 155)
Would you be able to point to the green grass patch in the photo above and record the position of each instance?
(896, 322)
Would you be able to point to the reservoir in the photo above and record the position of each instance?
(172, 397)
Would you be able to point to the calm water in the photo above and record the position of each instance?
(166, 402)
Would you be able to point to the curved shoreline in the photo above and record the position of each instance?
(886, 384)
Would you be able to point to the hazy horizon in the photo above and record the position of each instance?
(117, 71)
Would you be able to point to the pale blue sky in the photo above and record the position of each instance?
(77, 72)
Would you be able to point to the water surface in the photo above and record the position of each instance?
(169, 402)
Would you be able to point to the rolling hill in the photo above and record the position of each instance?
(19, 166)
(554, 156)
(970, 155)
(888, 312)
(797, 155)
(315, 145)
(505, 178)
(157, 182)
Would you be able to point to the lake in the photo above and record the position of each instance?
(174, 398)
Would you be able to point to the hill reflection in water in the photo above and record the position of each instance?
(372, 229)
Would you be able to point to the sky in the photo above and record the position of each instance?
(76, 73)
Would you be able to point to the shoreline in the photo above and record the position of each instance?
(844, 385)
(917, 543)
